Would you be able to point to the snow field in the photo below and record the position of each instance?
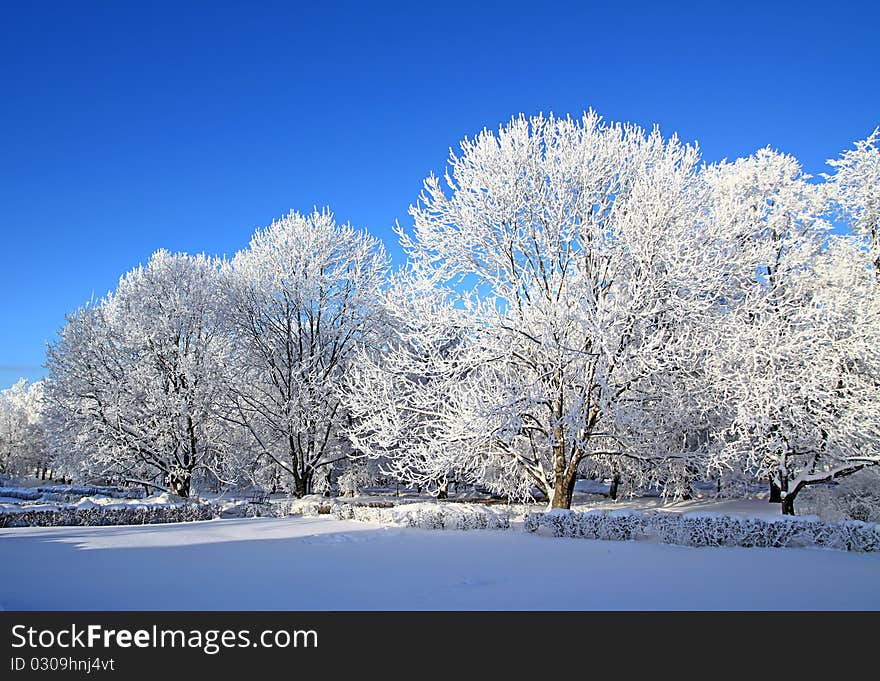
(322, 563)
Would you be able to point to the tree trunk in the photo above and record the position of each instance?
(563, 491)
(615, 487)
(562, 494)
(328, 487)
(788, 500)
(302, 485)
(443, 492)
(179, 481)
(777, 490)
(564, 475)
(788, 504)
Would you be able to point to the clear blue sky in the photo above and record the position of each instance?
(130, 126)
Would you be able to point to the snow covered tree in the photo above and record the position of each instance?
(809, 412)
(355, 477)
(300, 301)
(136, 380)
(772, 218)
(795, 360)
(23, 446)
(410, 402)
(578, 254)
(855, 188)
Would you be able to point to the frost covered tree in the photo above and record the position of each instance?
(300, 301)
(136, 380)
(795, 359)
(772, 219)
(806, 388)
(410, 402)
(855, 186)
(23, 446)
(578, 253)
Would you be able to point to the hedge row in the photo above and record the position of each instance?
(428, 516)
(20, 493)
(117, 515)
(274, 509)
(707, 530)
(113, 491)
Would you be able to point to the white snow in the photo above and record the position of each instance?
(321, 563)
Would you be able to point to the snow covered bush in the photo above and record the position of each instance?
(612, 525)
(854, 498)
(364, 514)
(273, 509)
(695, 529)
(429, 516)
(20, 493)
(112, 491)
(454, 517)
(130, 514)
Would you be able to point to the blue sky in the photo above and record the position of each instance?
(130, 126)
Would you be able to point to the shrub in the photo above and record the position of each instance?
(130, 514)
(707, 530)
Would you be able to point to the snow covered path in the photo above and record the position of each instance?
(326, 564)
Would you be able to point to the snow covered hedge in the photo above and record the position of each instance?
(428, 516)
(274, 509)
(19, 493)
(63, 492)
(129, 514)
(112, 491)
(707, 530)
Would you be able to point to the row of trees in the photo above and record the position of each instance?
(196, 366)
(580, 298)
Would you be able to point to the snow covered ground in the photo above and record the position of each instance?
(319, 563)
